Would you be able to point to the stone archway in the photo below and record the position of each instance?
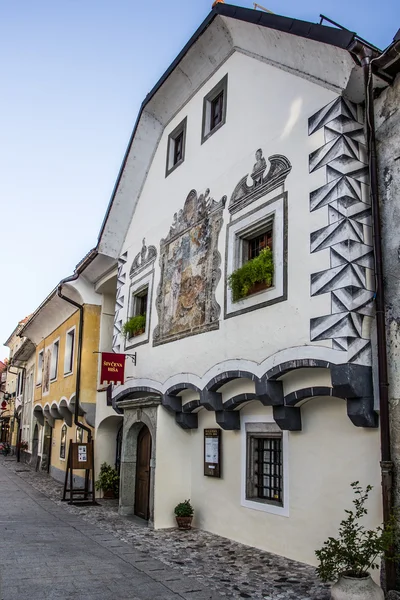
(137, 413)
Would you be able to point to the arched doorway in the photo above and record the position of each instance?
(142, 484)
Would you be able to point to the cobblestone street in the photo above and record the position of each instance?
(43, 538)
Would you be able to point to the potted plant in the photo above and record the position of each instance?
(22, 445)
(184, 514)
(357, 550)
(253, 276)
(134, 326)
(5, 448)
(108, 481)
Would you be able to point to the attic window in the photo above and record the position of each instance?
(176, 147)
(214, 109)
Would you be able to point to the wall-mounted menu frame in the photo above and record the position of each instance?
(212, 452)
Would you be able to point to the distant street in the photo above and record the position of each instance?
(47, 553)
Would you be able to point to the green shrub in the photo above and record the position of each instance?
(134, 325)
(184, 509)
(108, 479)
(356, 550)
(257, 270)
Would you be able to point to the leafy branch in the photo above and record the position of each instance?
(356, 550)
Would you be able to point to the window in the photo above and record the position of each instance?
(265, 468)
(136, 329)
(69, 352)
(39, 368)
(79, 434)
(252, 286)
(176, 147)
(140, 302)
(54, 361)
(20, 383)
(214, 109)
(63, 442)
(136, 324)
(259, 242)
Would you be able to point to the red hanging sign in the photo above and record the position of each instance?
(112, 368)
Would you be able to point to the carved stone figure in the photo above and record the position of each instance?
(259, 168)
(190, 272)
(245, 194)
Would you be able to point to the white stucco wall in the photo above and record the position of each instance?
(268, 108)
(324, 459)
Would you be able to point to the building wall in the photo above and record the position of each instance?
(282, 104)
(387, 116)
(62, 389)
(64, 385)
(305, 325)
(322, 463)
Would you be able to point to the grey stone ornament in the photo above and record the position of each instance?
(262, 183)
(190, 270)
(143, 259)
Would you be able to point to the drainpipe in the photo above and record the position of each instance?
(79, 354)
(366, 57)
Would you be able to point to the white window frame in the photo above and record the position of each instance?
(66, 440)
(274, 210)
(69, 359)
(260, 505)
(143, 282)
(55, 343)
(39, 374)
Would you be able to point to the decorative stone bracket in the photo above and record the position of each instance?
(351, 382)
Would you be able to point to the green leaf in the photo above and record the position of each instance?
(257, 270)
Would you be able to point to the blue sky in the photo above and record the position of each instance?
(74, 73)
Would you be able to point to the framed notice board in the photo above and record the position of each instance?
(82, 455)
(212, 452)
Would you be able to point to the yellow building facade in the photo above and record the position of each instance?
(56, 388)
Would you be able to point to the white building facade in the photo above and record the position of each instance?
(260, 408)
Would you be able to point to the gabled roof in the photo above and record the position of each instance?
(339, 38)
(227, 18)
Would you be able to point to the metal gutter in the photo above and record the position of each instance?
(80, 267)
(367, 57)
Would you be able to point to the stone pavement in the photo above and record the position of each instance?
(42, 538)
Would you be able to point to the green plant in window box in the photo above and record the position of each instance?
(108, 481)
(257, 270)
(134, 326)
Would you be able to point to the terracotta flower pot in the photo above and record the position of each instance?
(108, 494)
(356, 588)
(258, 287)
(184, 522)
(138, 332)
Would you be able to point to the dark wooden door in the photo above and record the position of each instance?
(142, 487)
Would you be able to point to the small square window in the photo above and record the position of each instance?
(265, 468)
(176, 147)
(214, 109)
